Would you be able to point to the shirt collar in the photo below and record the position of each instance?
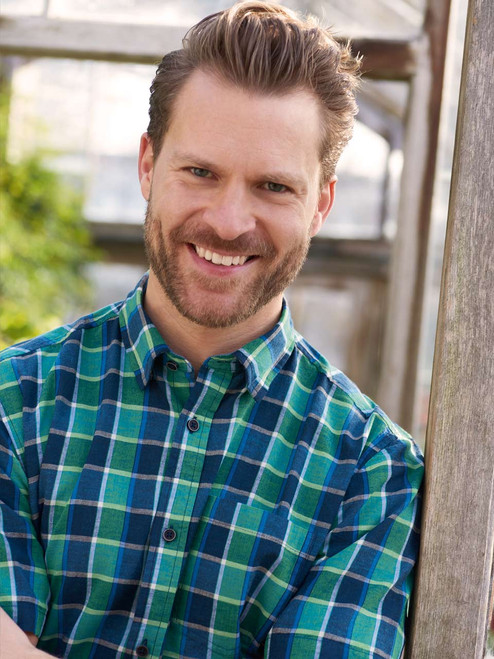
(142, 340)
(261, 358)
(265, 356)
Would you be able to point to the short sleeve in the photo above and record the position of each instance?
(353, 603)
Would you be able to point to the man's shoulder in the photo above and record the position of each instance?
(48, 345)
(335, 379)
(345, 395)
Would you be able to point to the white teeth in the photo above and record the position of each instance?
(219, 259)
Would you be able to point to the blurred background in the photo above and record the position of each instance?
(74, 80)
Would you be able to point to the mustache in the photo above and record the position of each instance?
(244, 245)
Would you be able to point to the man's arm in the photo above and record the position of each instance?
(16, 643)
(353, 603)
(24, 587)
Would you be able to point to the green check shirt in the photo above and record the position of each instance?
(265, 508)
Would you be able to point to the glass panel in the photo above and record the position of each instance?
(23, 7)
(342, 318)
(359, 198)
(88, 116)
(390, 18)
(369, 171)
(112, 282)
(165, 12)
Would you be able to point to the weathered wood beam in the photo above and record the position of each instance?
(349, 258)
(387, 59)
(112, 42)
(123, 243)
(146, 44)
(451, 610)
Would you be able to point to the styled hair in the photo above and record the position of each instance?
(265, 48)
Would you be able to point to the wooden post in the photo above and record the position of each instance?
(451, 608)
(406, 290)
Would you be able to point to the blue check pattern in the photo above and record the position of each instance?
(265, 508)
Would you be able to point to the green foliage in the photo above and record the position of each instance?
(44, 244)
(490, 641)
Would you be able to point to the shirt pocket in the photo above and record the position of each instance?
(244, 564)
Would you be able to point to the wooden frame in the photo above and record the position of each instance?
(451, 611)
(146, 44)
(397, 388)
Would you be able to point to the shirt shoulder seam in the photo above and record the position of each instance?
(392, 432)
(59, 335)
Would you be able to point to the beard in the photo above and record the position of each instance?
(223, 301)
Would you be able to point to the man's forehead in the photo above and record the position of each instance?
(209, 102)
(207, 86)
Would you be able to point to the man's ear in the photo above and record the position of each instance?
(146, 165)
(324, 205)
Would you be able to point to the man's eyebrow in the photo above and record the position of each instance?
(190, 157)
(284, 177)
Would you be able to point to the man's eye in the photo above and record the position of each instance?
(275, 187)
(201, 173)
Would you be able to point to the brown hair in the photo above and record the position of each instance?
(269, 49)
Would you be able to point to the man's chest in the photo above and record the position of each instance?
(204, 512)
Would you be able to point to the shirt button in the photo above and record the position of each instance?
(193, 425)
(172, 366)
(169, 535)
(142, 651)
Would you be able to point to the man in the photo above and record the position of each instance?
(183, 475)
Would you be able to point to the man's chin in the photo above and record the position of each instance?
(214, 311)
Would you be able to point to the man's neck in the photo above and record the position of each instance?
(195, 342)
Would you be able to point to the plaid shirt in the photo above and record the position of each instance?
(265, 508)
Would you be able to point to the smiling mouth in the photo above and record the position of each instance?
(220, 259)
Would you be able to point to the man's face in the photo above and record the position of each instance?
(233, 199)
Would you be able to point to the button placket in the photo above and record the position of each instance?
(185, 462)
(186, 465)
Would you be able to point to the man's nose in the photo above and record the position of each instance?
(230, 212)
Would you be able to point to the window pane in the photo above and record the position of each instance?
(369, 171)
(390, 18)
(170, 12)
(360, 190)
(22, 7)
(89, 117)
(342, 318)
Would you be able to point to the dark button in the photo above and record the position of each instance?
(169, 535)
(193, 425)
(172, 366)
(142, 651)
